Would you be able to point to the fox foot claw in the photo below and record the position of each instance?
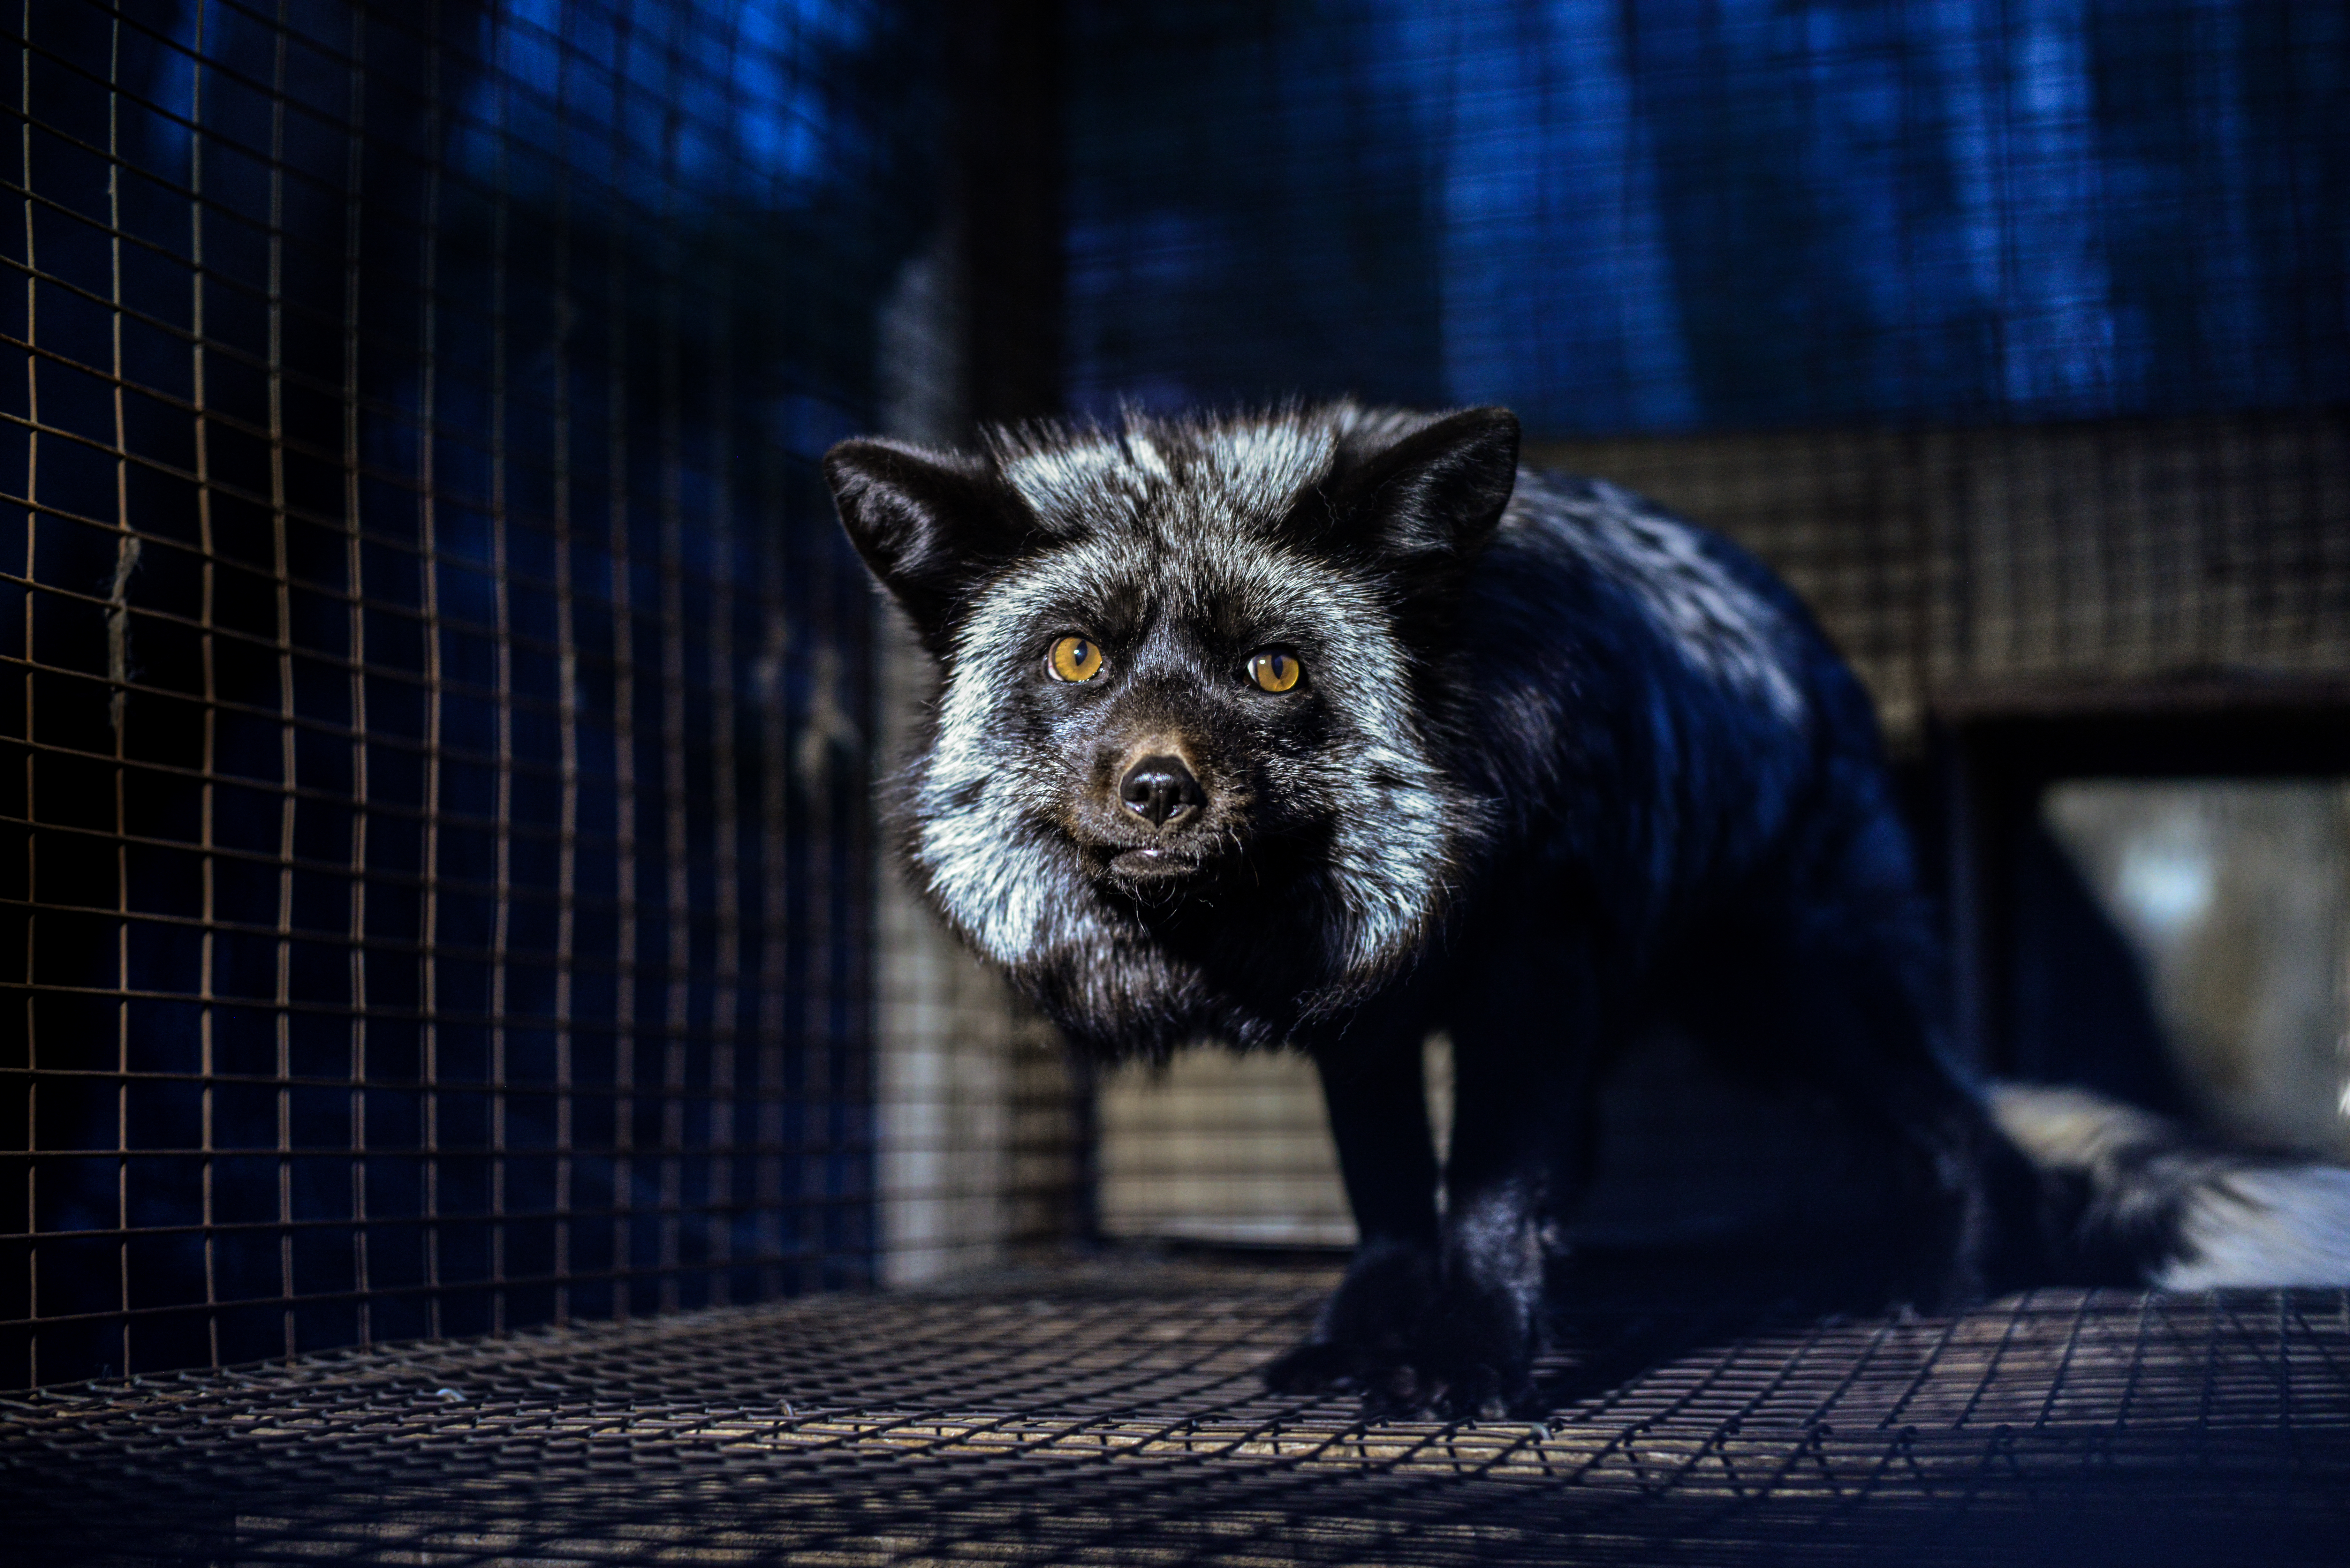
(1314, 1368)
(1396, 1389)
(1475, 1392)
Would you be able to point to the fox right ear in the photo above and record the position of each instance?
(929, 524)
(1436, 494)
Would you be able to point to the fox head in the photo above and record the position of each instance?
(1189, 741)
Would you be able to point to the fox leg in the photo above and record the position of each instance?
(1379, 1119)
(1520, 1155)
(1446, 1314)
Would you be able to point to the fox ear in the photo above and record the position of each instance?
(1434, 497)
(929, 524)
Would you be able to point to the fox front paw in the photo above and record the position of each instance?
(1366, 1329)
(1415, 1352)
(1473, 1359)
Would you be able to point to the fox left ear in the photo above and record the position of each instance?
(1436, 496)
(929, 524)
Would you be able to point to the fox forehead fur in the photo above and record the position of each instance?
(1417, 578)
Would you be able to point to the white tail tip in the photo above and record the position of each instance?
(2278, 1225)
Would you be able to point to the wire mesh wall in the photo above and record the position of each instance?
(2033, 314)
(438, 875)
(1686, 219)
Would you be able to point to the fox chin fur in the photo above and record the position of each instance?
(1553, 765)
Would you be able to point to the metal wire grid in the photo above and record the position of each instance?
(438, 851)
(1810, 215)
(1118, 1418)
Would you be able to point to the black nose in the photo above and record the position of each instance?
(1161, 788)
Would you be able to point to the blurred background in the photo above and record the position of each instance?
(443, 890)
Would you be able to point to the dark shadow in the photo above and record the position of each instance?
(1619, 1313)
(2082, 1014)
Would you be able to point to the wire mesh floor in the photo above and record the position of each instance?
(1110, 1413)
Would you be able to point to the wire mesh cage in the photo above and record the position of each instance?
(444, 901)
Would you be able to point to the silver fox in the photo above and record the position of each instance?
(1329, 727)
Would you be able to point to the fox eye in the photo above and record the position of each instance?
(1075, 659)
(1275, 670)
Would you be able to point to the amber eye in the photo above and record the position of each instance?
(1075, 659)
(1275, 670)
